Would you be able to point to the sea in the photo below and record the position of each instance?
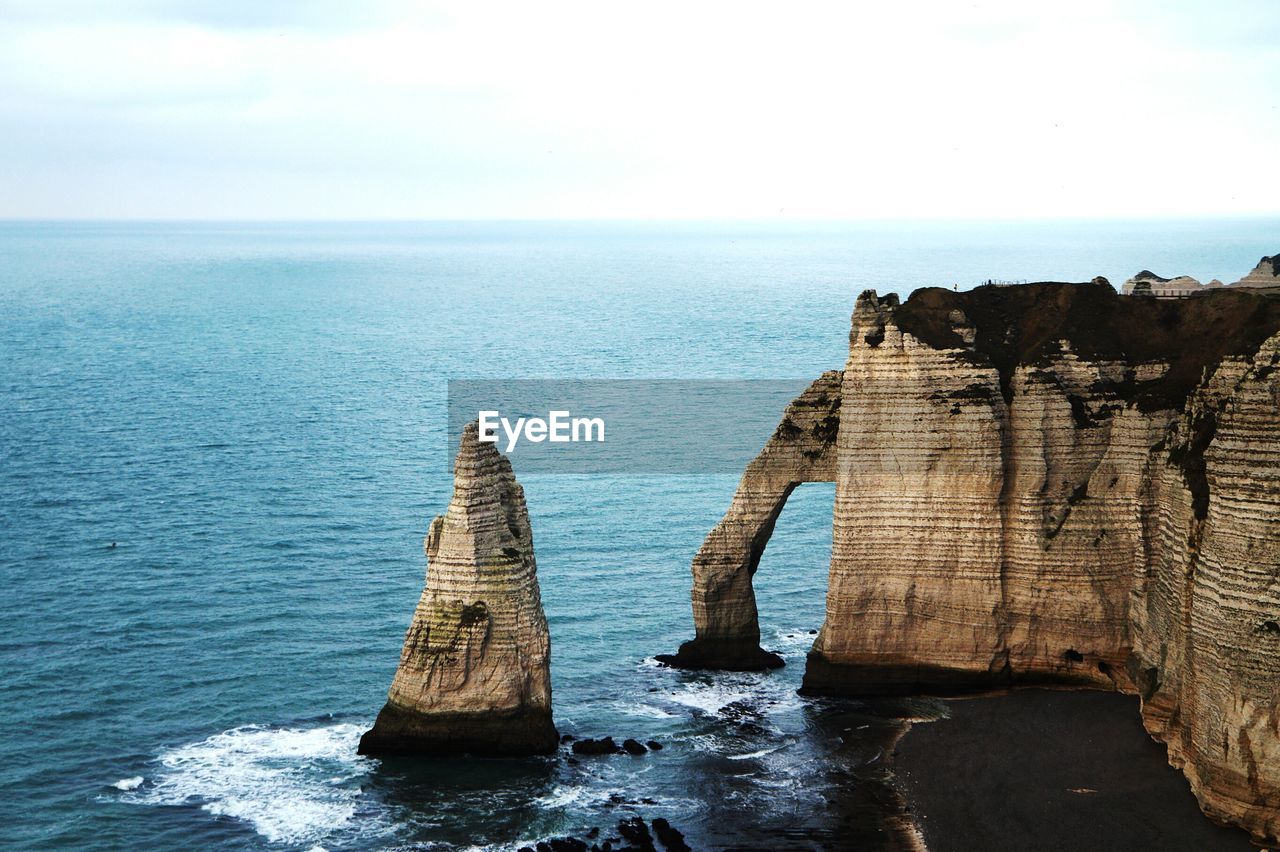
(220, 448)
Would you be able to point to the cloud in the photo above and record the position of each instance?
(292, 15)
(662, 109)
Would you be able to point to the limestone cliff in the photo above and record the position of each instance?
(474, 673)
(1148, 282)
(1056, 484)
(1265, 274)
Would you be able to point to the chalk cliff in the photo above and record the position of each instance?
(474, 673)
(1148, 282)
(1265, 274)
(1055, 484)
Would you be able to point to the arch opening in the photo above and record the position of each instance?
(726, 621)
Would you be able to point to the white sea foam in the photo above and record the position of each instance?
(761, 753)
(791, 642)
(128, 783)
(577, 796)
(646, 710)
(293, 785)
(755, 692)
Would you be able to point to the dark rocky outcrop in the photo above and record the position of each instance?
(632, 835)
(633, 747)
(604, 745)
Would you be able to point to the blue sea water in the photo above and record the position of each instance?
(220, 446)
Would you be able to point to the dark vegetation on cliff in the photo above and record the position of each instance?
(1021, 325)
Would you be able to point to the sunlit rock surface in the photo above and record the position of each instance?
(1265, 274)
(1057, 484)
(1148, 282)
(474, 673)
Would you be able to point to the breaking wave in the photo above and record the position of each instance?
(292, 785)
(756, 692)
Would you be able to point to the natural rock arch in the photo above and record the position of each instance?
(1043, 484)
(801, 449)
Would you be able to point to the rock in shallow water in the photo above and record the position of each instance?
(474, 673)
(605, 745)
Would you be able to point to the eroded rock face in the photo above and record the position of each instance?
(1052, 484)
(1206, 621)
(1265, 274)
(474, 673)
(1147, 281)
(1055, 484)
(972, 543)
(802, 449)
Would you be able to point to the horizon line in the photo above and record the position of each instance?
(835, 220)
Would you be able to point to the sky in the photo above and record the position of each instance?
(386, 109)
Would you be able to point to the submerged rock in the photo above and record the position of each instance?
(474, 673)
(672, 839)
(605, 745)
(636, 833)
(633, 835)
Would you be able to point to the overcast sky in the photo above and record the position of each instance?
(387, 109)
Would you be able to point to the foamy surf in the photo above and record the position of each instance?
(793, 642)
(128, 783)
(752, 754)
(756, 693)
(646, 710)
(577, 796)
(292, 785)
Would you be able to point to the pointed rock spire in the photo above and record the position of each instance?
(474, 673)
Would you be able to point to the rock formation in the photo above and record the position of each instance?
(1265, 274)
(474, 673)
(802, 449)
(1147, 282)
(1052, 484)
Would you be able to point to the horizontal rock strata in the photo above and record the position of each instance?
(1056, 484)
(474, 673)
(1148, 282)
(1265, 274)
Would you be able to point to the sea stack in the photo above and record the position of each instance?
(474, 674)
